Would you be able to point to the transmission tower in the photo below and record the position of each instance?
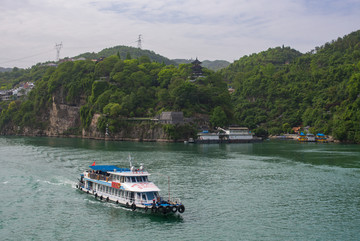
(58, 48)
(139, 41)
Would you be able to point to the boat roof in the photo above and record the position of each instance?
(131, 174)
(109, 168)
(119, 171)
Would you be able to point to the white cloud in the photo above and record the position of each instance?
(207, 29)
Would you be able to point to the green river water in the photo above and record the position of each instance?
(274, 190)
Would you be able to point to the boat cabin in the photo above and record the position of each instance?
(122, 184)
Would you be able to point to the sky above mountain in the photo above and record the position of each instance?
(206, 29)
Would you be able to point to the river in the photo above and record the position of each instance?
(274, 190)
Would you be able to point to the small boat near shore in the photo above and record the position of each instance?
(128, 187)
(233, 134)
(312, 138)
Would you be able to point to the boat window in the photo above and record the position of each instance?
(150, 196)
(138, 179)
(128, 179)
(138, 196)
(133, 179)
(144, 197)
(122, 179)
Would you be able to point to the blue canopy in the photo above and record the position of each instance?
(320, 134)
(109, 168)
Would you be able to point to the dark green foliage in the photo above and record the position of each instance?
(120, 89)
(281, 88)
(218, 117)
(86, 114)
(177, 132)
(213, 65)
(275, 90)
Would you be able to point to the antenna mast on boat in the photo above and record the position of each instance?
(169, 187)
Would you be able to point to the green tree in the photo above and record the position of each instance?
(218, 117)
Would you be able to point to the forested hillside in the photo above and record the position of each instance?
(117, 90)
(281, 88)
(275, 90)
(11, 78)
(125, 52)
(213, 65)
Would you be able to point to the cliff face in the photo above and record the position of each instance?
(63, 118)
(143, 131)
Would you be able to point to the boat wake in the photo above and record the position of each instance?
(60, 183)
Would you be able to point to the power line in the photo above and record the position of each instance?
(27, 57)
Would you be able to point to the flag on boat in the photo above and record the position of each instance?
(93, 164)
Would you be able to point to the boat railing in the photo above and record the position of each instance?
(174, 200)
(100, 177)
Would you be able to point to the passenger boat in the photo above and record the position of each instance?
(234, 134)
(128, 187)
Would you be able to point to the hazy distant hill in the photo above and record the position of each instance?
(5, 69)
(124, 51)
(213, 65)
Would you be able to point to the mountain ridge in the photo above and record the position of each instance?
(272, 91)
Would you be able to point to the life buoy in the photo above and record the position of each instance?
(174, 209)
(87, 192)
(77, 186)
(133, 206)
(95, 195)
(101, 197)
(181, 209)
(107, 199)
(117, 202)
(127, 205)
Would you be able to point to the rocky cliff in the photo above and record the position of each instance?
(64, 119)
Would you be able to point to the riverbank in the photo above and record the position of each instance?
(295, 137)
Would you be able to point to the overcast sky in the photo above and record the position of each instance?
(207, 29)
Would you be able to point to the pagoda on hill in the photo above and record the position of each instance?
(196, 69)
